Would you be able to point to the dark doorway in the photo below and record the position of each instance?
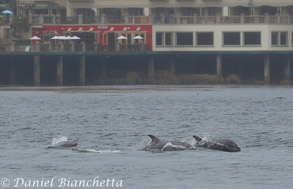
(111, 41)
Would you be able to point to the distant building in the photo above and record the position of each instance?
(177, 25)
(228, 39)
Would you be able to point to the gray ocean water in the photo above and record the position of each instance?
(111, 123)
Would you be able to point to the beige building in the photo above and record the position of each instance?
(45, 7)
(181, 25)
(93, 8)
(178, 7)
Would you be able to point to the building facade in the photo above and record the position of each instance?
(248, 39)
(178, 25)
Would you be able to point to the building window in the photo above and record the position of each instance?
(159, 39)
(279, 39)
(168, 39)
(252, 38)
(231, 38)
(164, 39)
(275, 38)
(283, 38)
(205, 38)
(184, 39)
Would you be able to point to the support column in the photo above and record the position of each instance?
(37, 69)
(218, 18)
(60, 71)
(82, 70)
(104, 68)
(242, 18)
(219, 65)
(240, 69)
(146, 11)
(287, 74)
(162, 18)
(11, 16)
(103, 19)
(126, 18)
(195, 18)
(12, 71)
(80, 19)
(267, 68)
(12, 47)
(151, 68)
(173, 66)
(68, 12)
(41, 19)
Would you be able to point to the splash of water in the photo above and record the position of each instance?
(59, 139)
(143, 144)
(189, 140)
(169, 145)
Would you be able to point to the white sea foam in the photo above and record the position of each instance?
(91, 150)
(170, 145)
(189, 140)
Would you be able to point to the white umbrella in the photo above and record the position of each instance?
(7, 12)
(75, 37)
(68, 38)
(55, 37)
(138, 37)
(62, 37)
(35, 38)
(121, 37)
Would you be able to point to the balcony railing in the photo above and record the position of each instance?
(68, 20)
(157, 20)
(114, 20)
(74, 47)
(91, 20)
(4, 21)
(139, 20)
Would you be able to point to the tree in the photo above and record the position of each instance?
(13, 6)
(20, 24)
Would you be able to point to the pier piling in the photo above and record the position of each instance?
(151, 68)
(267, 68)
(60, 71)
(287, 74)
(12, 71)
(219, 65)
(37, 72)
(104, 68)
(82, 70)
(173, 65)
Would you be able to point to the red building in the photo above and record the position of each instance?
(102, 34)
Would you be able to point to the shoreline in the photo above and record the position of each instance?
(133, 87)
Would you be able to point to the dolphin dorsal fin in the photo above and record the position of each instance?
(197, 138)
(154, 139)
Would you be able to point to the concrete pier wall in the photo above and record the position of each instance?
(78, 70)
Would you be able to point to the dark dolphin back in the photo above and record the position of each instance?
(226, 145)
(63, 144)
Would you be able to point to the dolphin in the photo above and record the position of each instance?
(158, 145)
(221, 144)
(63, 144)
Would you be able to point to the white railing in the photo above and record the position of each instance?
(162, 19)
